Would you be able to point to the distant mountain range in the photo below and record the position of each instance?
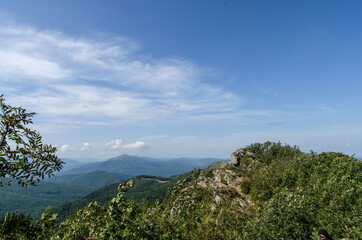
(135, 165)
(77, 179)
(69, 164)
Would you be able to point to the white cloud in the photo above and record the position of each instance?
(118, 144)
(104, 81)
(23, 65)
(136, 145)
(90, 101)
(86, 146)
(114, 144)
(66, 148)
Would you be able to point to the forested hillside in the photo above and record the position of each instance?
(35, 199)
(268, 191)
(93, 180)
(67, 187)
(146, 189)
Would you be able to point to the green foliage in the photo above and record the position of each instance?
(102, 196)
(116, 220)
(268, 152)
(147, 188)
(30, 159)
(87, 223)
(20, 226)
(289, 195)
(47, 221)
(285, 216)
(34, 199)
(324, 188)
(17, 226)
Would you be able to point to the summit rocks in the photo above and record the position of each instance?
(243, 158)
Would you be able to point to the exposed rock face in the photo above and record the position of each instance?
(242, 157)
(225, 184)
(222, 182)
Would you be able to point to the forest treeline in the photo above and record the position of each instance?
(283, 193)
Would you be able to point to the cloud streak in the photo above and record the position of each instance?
(62, 76)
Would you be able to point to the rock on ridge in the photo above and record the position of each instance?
(242, 157)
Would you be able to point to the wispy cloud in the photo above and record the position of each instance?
(152, 137)
(102, 80)
(183, 138)
(19, 65)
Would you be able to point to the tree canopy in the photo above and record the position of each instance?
(23, 155)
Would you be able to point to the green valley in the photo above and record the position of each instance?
(147, 188)
(35, 199)
(93, 180)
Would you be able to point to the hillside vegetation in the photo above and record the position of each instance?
(93, 180)
(147, 188)
(35, 199)
(91, 176)
(58, 190)
(269, 191)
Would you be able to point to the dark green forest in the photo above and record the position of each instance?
(94, 180)
(36, 199)
(275, 191)
(147, 189)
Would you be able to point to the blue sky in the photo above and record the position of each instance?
(185, 78)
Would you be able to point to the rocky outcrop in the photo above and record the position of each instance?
(243, 158)
(221, 182)
(224, 185)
